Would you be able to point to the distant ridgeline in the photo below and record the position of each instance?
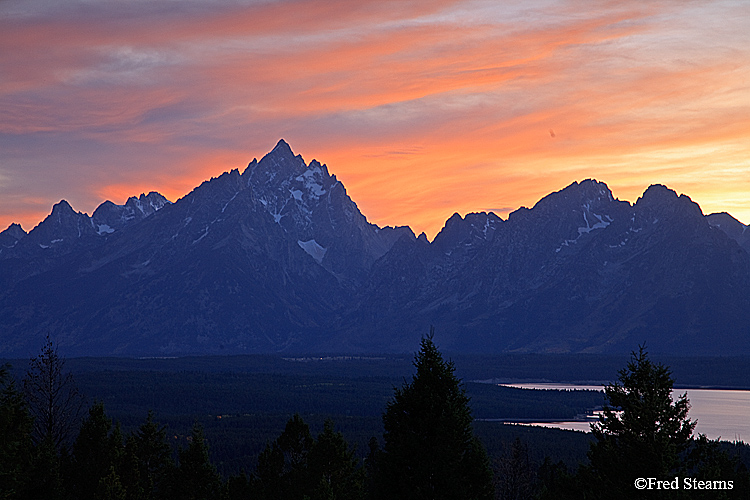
(278, 258)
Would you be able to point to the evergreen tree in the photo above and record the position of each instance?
(110, 487)
(642, 432)
(282, 466)
(196, 477)
(706, 461)
(147, 463)
(130, 474)
(268, 478)
(46, 474)
(295, 466)
(53, 398)
(96, 453)
(515, 474)
(295, 443)
(333, 469)
(430, 451)
(372, 471)
(239, 487)
(555, 482)
(16, 448)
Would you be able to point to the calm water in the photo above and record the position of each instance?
(720, 413)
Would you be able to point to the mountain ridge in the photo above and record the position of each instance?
(278, 258)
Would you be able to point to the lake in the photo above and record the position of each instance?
(721, 413)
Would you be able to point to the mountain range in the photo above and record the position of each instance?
(278, 258)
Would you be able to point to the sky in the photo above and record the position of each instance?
(421, 108)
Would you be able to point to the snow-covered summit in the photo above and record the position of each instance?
(109, 217)
(313, 209)
(292, 191)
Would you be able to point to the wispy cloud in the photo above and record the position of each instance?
(422, 108)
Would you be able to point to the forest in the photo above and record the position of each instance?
(245, 426)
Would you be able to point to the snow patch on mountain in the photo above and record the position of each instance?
(314, 249)
(311, 180)
(593, 222)
(205, 233)
(223, 209)
(486, 227)
(104, 229)
(601, 224)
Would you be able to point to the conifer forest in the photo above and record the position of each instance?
(358, 428)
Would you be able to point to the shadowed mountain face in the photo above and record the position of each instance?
(278, 258)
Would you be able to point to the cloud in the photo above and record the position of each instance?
(422, 108)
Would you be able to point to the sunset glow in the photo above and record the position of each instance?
(421, 108)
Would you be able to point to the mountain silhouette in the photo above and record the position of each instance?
(278, 258)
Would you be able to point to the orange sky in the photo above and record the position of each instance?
(421, 108)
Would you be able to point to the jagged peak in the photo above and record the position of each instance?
(590, 188)
(451, 226)
(575, 195)
(658, 191)
(472, 216)
(280, 163)
(15, 229)
(458, 229)
(282, 147)
(109, 216)
(157, 195)
(284, 151)
(322, 166)
(55, 227)
(661, 199)
(453, 219)
(153, 199)
(281, 153)
(11, 236)
(62, 207)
